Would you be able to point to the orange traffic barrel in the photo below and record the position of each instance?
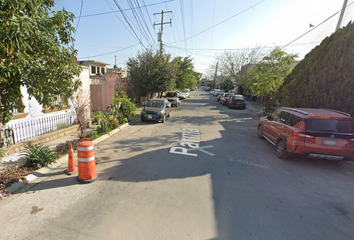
(86, 161)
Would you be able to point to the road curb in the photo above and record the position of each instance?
(15, 187)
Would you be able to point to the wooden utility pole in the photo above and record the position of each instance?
(216, 70)
(161, 31)
(341, 14)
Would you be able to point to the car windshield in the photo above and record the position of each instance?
(171, 94)
(329, 125)
(157, 104)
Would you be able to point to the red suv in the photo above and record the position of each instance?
(323, 133)
(237, 101)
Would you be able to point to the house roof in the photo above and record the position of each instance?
(93, 62)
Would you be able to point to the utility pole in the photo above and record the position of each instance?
(161, 31)
(216, 70)
(341, 14)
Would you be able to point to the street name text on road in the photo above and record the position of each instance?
(190, 138)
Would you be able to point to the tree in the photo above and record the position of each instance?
(230, 62)
(227, 85)
(35, 53)
(186, 77)
(81, 102)
(152, 72)
(269, 75)
(324, 78)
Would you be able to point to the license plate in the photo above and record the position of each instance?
(329, 142)
(149, 116)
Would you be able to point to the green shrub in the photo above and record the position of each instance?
(63, 125)
(39, 156)
(63, 148)
(2, 152)
(102, 126)
(113, 123)
(126, 107)
(99, 115)
(94, 135)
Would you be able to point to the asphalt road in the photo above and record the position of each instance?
(224, 184)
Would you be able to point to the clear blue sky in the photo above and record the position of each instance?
(200, 28)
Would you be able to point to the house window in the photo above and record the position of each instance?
(98, 69)
(102, 70)
(93, 69)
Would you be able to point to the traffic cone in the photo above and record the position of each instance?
(71, 161)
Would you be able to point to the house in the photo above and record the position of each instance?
(35, 120)
(124, 72)
(105, 82)
(204, 82)
(96, 68)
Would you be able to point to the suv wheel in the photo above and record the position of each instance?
(281, 150)
(260, 132)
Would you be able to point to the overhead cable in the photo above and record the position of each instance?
(112, 52)
(314, 27)
(221, 22)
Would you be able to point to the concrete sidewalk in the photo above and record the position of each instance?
(16, 159)
(254, 110)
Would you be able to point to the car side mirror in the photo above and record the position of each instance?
(270, 117)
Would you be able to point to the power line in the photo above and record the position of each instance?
(233, 49)
(128, 23)
(113, 51)
(183, 23)
(314, 27)
(98, 14)
(77, 25)
(122, 22)
(220, 22)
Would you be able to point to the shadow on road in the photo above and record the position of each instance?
(255, 194)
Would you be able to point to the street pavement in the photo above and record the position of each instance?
(203, 174)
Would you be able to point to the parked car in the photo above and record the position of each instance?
(219, 96)
(237, 101)
(186, 92)
(216, 93)
(212, 91)
(156, 110)
(172, 97)
(181, 95)
(224, 99)
(323, 133)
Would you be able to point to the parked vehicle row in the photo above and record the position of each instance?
(159, 109)
(231, 100)
(320, 133)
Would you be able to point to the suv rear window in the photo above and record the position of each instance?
(330, 125)
(238, 98)
(284, 117)
(171, 94)
(294, 120)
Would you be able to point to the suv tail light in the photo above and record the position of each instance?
(302, 134)
(350, 143)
